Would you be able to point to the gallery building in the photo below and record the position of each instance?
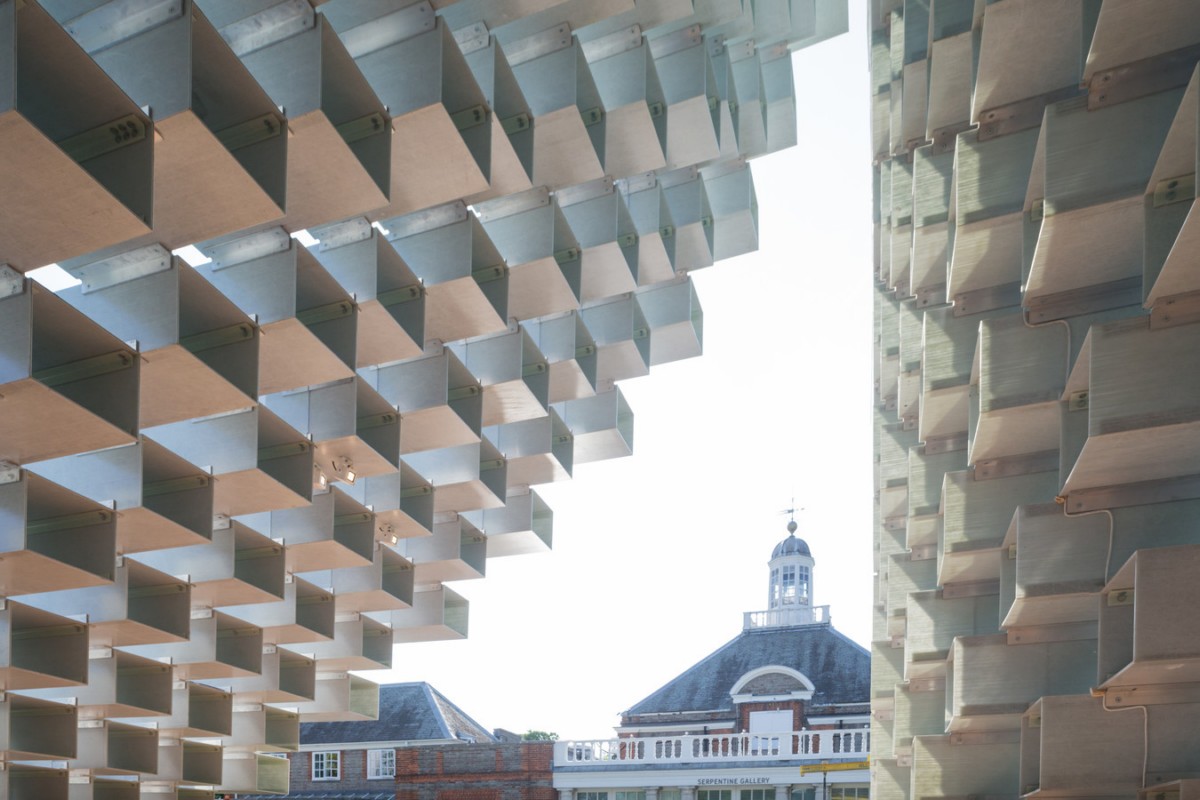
(780, 712)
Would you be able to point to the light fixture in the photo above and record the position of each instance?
(344, 468)
(320, 482)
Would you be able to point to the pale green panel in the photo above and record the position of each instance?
(885, 193)
(881, 125)
(996, 679)
(944, 769)
(1019, 364)
(1057, 554)
(879, 623)
(1136, 376)
(978, 512)
(1157, 525)
(931, 185)
(992, 176)
(906, 577)
(925, 474)
(917, 713)
(889, 324)
(893, 453)
(1104, 154)
(881, 737)
(897, 43)
(912, 323)
(887, 670)
(934, 621)
(889, 780)
(949, 348)
(881, 61)
(916, 30)
(902, 192)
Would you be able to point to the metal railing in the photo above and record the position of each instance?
(707, 748)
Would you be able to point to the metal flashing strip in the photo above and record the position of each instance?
(389, 29)
(120, 20)
(122, 268)
(1085, 300)
(971, 589)
(539, 44)
(376, 420)
(1021, 115)
(1140, 78)
(929, 296)
(1062, 632)
(462, 392)
(85, 368)
(415, 491)
(945, 138)
(12, 283)
(991, 298)
(106, 138)
(250, 132)
(1165, 490)
(614, 44)
(1152, 695)
(489, 274)
(516, 123)
(637, 183)
(269, 26)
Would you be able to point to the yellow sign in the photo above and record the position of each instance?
(840, 766)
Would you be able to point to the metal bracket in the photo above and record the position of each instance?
(283, 451)
(470, 117)
(993, 297)
(1141, 78)
(376, 420)
(1021, 115)
(358, 129)
(394, 297)
(85, 368)
(12, 283)
(489, 274)
(472, 38)
(426, 220)
(592, 116)
(106, 138)
(676, 41)
(1010, 466)
(1180, 309)
(172, 485)
(325, 313)
(67, 522)
(340, 234)
(252, 131)
(1134, 494)
(516, 123)
(539, 44)
(513, 204)
(613, 44)
(1078, 401)
(1119, 597)
(115, 22)
(220, 337)
(389, 29)
(1175, 190)
(123, 268)
(248, 248)
(945, 138)
(269, 26)
(1086, 300)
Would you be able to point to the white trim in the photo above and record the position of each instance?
(769, 669)
(380, 745)
(839, 719)
(683, 777)
(694, 727)
(771, 698)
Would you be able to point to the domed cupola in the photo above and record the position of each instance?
(791, 568)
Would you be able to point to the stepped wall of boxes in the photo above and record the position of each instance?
(1038, 455)
(352, 280)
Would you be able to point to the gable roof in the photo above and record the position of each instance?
(839, 669)
(407, 712)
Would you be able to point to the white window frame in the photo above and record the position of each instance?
(327, 765)
(381, 764)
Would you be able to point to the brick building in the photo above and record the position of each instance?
(422, 747)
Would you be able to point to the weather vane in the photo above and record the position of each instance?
(791, 512)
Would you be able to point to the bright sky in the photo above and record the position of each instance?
(656, 556)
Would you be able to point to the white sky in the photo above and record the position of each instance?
(656, 556)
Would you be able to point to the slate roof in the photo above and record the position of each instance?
(839, 669)
(407, 712)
